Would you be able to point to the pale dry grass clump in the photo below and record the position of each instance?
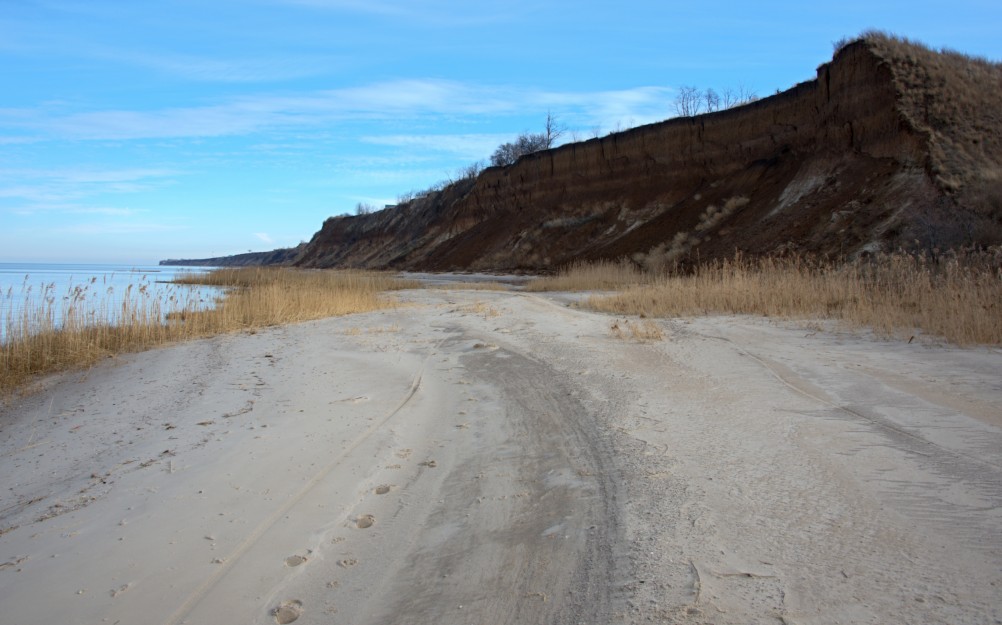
(52, 338)
(958, 298)
(643, 330)
(482, 309)
(598, 276)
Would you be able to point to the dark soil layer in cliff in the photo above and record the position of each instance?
(892, 145)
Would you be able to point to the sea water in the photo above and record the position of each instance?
(96, 292)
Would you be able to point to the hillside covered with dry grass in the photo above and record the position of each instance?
(954, 101)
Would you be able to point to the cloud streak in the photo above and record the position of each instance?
(116, 228)
(32, 191)
(440, 13)
(471, 146)
(413, 99)
(207, 69)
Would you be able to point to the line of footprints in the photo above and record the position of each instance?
(290, 610)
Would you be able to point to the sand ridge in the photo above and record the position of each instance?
(500, 457)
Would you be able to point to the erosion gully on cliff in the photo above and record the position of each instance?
(891, 145)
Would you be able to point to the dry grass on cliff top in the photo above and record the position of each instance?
(954, 100)
(50, 338)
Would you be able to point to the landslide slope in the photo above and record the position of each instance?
(892, 145)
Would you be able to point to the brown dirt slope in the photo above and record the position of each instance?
(892, 145)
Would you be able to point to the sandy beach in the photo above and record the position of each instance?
(501, 457)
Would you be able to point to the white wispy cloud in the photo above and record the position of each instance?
(74, 209)
(105, 210)
(59, 185)
(18, 140)
(387, 101)
(471, 146)
(264, 237)
(40, 39)
(100, 228)
(441, 13)
(358, 6)
(626, 107)
(86, 176)
(220, 69)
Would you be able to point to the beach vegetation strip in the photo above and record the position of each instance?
(601, 275)
(46, 336)
(955, 295)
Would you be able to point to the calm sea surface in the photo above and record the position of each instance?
(95, 291)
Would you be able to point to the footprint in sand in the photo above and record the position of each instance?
(431, 464)
(365, 521)
(347, 562)
(295, 560)
(383, 489)
(288, 612)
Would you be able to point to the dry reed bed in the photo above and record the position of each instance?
(958, 296)
(50, 338)
(597, 276)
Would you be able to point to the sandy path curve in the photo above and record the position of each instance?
(499, 457)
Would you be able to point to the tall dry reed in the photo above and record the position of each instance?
(601, 275)
(61, 333)
(958, 297)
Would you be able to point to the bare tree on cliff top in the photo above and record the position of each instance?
(527, 143)
(688, 102)
(553, 129)
(711, 100)
(691, 101)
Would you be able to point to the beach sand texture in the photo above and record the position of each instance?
(499, 457)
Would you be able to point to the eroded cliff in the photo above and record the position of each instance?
(853, 160)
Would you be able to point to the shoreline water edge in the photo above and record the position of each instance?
(33, 293)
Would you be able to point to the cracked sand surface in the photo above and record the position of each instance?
(498, 457)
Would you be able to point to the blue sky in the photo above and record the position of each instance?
(135, 131)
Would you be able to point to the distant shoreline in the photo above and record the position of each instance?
(281, 256)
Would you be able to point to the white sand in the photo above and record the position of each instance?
(491, 457)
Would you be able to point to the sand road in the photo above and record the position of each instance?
(499, 457)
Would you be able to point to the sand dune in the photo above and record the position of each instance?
(497, 457)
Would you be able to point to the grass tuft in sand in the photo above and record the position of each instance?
(54, 337)
(643, 330)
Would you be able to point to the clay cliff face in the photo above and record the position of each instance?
(835, 166)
